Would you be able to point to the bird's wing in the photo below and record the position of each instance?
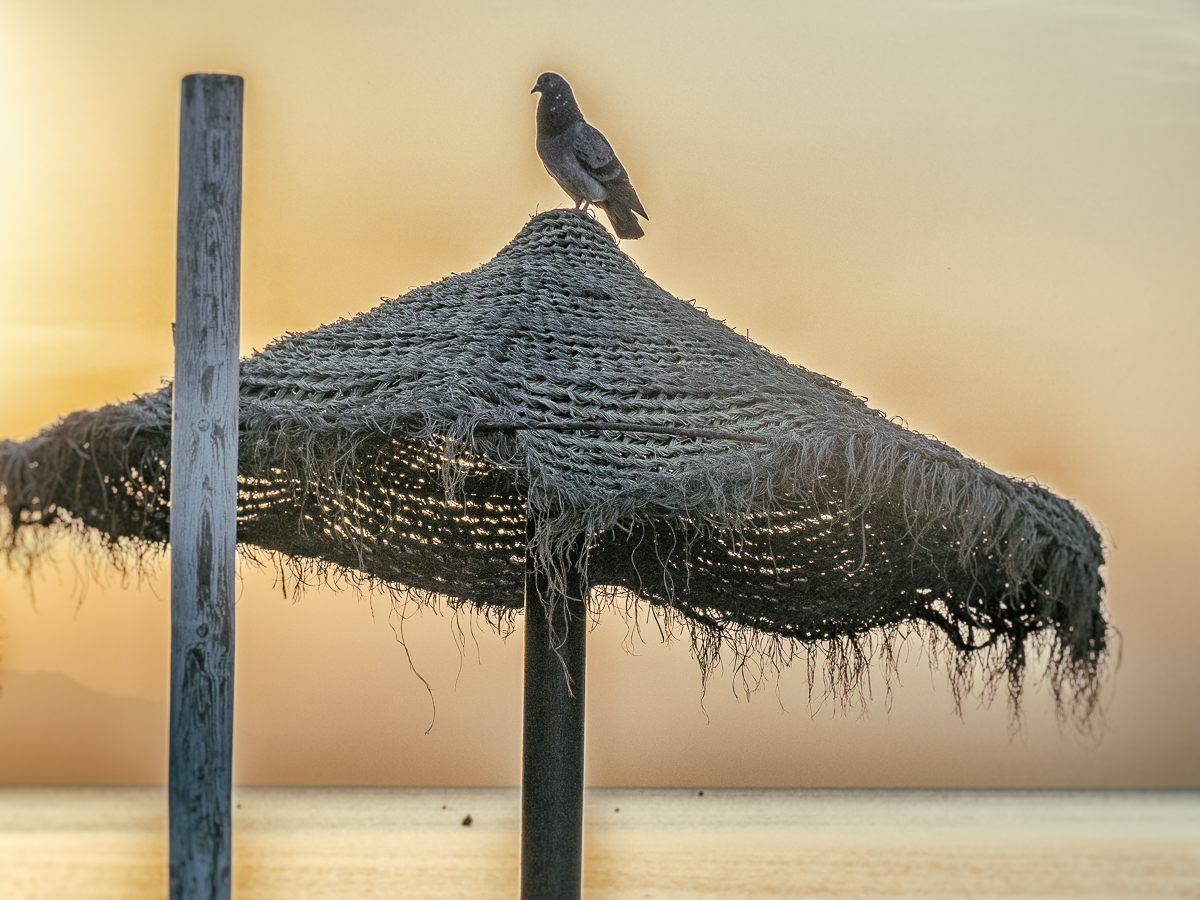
(595, 153)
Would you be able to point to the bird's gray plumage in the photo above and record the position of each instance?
(581, 159)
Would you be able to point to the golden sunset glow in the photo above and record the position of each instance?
(981, 217)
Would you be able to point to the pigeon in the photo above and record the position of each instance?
(581, 160)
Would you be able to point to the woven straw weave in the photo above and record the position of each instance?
(556, 394)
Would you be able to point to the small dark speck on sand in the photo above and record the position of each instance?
(467, 820)
(699, 793)
(443, 806)
(239, 806)
(618, 809)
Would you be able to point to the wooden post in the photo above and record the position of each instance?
(204, 432)
(552, 759)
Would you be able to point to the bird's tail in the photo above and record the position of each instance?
(624, 222)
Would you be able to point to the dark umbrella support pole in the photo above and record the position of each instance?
(552, 759)
(203, 527)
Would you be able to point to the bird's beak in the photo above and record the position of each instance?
(535, 89)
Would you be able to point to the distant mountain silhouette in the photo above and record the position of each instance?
(54, 730)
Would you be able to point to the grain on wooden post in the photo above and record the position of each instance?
(204, 432)
(552, 752)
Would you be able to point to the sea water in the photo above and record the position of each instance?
(363, 843)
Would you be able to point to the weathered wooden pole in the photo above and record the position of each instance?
(204, 433)
(552, 758)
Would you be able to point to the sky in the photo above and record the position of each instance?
(980, 216)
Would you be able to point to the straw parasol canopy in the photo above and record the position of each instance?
(556, 395)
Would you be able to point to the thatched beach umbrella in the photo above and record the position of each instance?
(556, 406)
